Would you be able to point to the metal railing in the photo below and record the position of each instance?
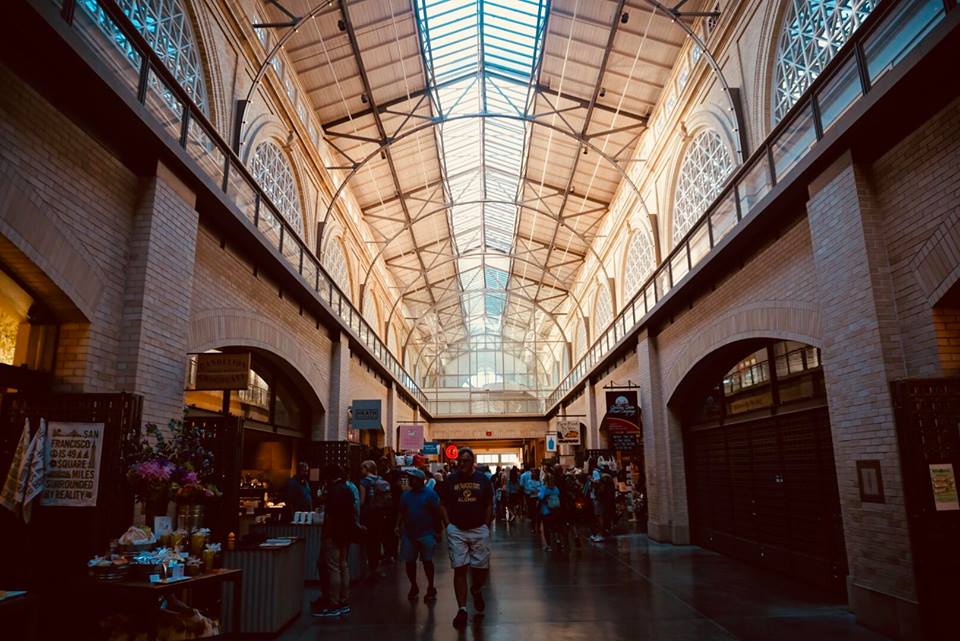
(157, 89)
(886, 37)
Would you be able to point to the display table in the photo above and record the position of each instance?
(311, 535)
(18, 616)
(143, 596)
(272, 587)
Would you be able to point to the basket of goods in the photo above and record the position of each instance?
(138, 539)
(108, 569)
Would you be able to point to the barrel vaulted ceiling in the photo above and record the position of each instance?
(484, 141)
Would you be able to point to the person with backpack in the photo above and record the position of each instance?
(376, 502)
(532, 490)
(548, 502)
(340, 527)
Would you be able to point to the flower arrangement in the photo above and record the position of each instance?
(171, 464)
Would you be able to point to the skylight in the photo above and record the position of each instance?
(481, 58)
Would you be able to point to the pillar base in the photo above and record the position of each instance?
(884, 613)
(668, 533)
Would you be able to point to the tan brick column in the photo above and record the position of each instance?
(389, 416)
(667, 519)
(592, 437)
(339, 389)
(861, 354)
(157, 296)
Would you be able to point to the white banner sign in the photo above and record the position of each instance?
(568, 431)
(73, 464)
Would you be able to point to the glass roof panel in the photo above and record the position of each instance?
(481, 58)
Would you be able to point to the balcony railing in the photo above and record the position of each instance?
(885, 38)
(110, 33)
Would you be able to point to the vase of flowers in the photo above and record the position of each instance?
(171, 464)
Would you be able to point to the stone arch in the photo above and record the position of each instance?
(771, 24)
(239, 327)
(785, 320)
(57, 267)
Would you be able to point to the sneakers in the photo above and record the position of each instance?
(430, 596)
(478, 603)
(414, 593)
(596, 538)
(460, 621)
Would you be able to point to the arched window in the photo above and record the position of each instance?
(580, 347)
(603, 310)
(812, 33)
(706, 164)
(273, 173)
(639, 264)
(335, 262)
(165, 25)
(370, 310)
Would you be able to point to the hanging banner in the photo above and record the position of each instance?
(944, 484)
(551, 439)
(73, 464)
(623, 420)
(365, 415)
(411, 437)
(222, 372)
(568, 431)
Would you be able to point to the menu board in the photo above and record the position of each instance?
(625, 441)
(73, 464)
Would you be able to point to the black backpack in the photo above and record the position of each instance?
(379, 497)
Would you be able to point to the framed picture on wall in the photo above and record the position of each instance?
(871, 482)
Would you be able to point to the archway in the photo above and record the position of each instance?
(761, 479)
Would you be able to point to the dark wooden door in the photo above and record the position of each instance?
(765, 490)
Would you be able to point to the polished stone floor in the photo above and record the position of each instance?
(628, 588)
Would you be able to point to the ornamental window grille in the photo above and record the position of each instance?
(272, 172)
(370, 311)
(335, 262)
(580, 347)
(639, 264)
(603, 310)
(705, 167)
(812, 33)
(165, 26)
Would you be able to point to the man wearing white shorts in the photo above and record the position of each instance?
(467, 510)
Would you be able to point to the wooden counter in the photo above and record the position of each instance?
(312, 536)
(272, 585)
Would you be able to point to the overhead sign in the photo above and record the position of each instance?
(222, 372)
(430, 448)
(623, 420)
(73, 464)
(551, 439)
(365, 415)
(451, 452)
(411, 437)
(568, 432)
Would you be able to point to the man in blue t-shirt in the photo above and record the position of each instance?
(419, 526)
(467, 509)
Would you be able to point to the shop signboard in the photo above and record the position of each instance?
(944, 484)
(568, 431)
(623, 419)
(551, 439)
(73, 464)
(365, 414)
(451, 452)
(222, 372)
(430, 448)
(411, 437)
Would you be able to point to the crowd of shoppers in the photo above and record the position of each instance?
(402, 513)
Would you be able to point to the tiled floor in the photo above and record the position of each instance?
(629, 588)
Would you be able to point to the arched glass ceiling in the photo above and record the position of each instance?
(481, 57)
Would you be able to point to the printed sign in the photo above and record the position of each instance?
(451, 452)
(551, 442)
(366, 414)
(411, 437)
(625, 441)
(222, 371)
(73, 464)
(431, 448)
(944, 483)
(623, 411)
(568, 432)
